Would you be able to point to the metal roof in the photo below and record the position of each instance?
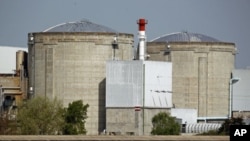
(79, 26)
(184, 37)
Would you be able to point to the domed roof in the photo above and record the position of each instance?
(184, 37)
(79, 26)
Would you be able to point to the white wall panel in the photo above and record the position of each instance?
(188, 116)
(124, 83)
(158, 84)
(139, 83)
(241, 90)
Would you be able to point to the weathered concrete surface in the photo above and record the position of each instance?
(201, 74)
(112, 138)
(72, 66)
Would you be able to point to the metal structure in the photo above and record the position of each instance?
(201, 127)
(202, 68)
(68, 61)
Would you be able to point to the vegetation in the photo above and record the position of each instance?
(40, 116)
(43, 116)
(75, 116)
(7, 126)
(210, 132)
(224, 129)
(164, 124)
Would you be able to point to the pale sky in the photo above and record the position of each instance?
(225, 20)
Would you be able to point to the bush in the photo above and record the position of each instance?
(40, 116)
(164, 124)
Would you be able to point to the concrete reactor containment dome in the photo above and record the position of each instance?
(79, 26)
(202, 68)
(184, 37)
(68, 61)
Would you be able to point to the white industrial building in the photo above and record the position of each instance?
(135, 92)
(240, 93)
(138, 83)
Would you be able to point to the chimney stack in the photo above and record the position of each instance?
(142, 38)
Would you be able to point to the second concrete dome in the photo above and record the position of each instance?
(184, 37)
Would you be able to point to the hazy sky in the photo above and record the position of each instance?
(225, 20)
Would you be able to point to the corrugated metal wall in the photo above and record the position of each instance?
(124, 83)
(241, 90)
(139, 83)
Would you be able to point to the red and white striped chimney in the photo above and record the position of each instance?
(142, 38)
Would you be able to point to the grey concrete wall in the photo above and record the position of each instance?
(201, 73)
(71, 66)
(128, 121)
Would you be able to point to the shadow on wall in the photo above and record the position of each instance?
(101, 106)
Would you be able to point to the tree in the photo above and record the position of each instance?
(40, 116)
(164, 124)
(225, 128)
(75, 116)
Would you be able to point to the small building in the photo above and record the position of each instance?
(13, 79)
(135, 92)
(240, 93)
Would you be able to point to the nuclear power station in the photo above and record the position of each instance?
(189, 75)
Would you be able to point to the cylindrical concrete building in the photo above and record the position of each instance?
(68, 61)
(202, 69)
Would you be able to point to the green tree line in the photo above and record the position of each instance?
(44, 116)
